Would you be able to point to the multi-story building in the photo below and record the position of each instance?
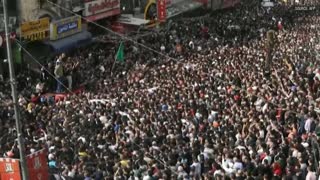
(138, 12)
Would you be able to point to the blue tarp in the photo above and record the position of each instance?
(63, 45)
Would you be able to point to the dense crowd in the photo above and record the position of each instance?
(210, 109)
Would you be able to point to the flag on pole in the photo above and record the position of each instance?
(120, 53)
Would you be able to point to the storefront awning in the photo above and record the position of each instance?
(71, 42)
(182, 7)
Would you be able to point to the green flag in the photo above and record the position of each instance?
(120, 53)
(16, 52)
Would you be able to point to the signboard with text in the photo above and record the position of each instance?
(305, 8)
(161, 10)
(38, 165)
(9, 169)
(65, 27)
(99, 9)
(35, 30)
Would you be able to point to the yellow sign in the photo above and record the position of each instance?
(37, 36)
(146, 9)
(35, 30)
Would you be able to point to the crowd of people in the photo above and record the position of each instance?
(208, 109)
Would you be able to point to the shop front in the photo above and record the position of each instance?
(32, 35)
(68, 34)
(159, 11)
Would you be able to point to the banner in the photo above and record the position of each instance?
(9, 169)
(35, 30)
(99, 9)
(16, 53)
(65, 27)
(38, 165)
(161, 10)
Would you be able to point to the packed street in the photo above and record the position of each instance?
(194, 100)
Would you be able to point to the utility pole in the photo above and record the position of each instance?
(19, 11)
(14, 96)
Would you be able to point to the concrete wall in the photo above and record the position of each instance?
(31, 10)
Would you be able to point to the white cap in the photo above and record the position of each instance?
(50, 156)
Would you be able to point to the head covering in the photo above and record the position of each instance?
(50, 156)
(10, 154)
(52, 164)
(215, 124)
(277, 169)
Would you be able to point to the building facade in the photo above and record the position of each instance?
(53, 9)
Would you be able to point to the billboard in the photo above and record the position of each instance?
(65, 27)
(35, 30)
(99, 9)
(38, 165)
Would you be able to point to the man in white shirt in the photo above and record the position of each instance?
(308, 124)
(311, 175)
(197, 168)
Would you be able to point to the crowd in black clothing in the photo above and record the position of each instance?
(206, 111)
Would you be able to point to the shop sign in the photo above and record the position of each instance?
(161, 10)
(65, 27)
(101, 8)
(305, 8)
(35, 30)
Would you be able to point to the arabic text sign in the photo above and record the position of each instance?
(9, 169)
(94, 7)
(65, 27)
(38, 165)
(161, 10)
(34, 27)
(305, 8)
